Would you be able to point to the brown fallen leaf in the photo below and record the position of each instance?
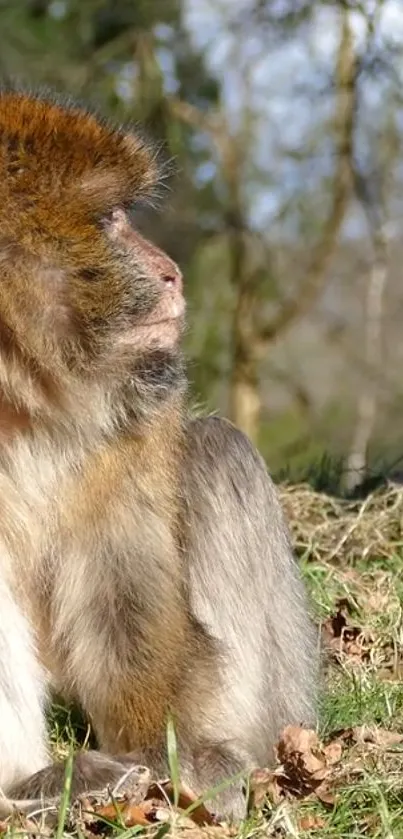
(299, 752)
(156, 806)
(341, 638)
(311, 822)
(163, 790)
(128, 814)
(333, 752)
(303, 770)
(263, 784)
(382, 737)
(325, 794)
(306, 765)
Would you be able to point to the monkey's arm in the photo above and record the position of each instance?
(22, 693)
(123, 632)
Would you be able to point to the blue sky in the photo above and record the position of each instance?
(268, 81)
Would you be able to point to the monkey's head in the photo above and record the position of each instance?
(86, 302)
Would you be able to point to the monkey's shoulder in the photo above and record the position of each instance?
(218, 437)
(212, 430)
(222, 450)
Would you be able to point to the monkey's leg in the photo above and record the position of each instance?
(22, 695)
(123, 630)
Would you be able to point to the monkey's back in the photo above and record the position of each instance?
(246, 588)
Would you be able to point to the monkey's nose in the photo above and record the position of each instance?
(173, 278)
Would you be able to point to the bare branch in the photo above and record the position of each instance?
(311, 287)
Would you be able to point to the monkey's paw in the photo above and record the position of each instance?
(92, 771)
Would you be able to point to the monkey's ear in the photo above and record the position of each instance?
(41, 284)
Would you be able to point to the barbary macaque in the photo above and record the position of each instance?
(145, 566)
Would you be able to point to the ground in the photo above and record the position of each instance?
(346, 779)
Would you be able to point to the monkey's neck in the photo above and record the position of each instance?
(157, 443)
(91, 429)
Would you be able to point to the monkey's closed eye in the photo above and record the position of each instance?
(92, 273)
(120, 220)
(112, 215)
(127, 214)
(114, 222)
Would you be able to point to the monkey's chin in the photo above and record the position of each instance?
(163, 334)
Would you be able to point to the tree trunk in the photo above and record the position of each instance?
(245, 405)
(356, 467)
(244, 396)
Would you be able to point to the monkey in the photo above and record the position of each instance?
(146, 568)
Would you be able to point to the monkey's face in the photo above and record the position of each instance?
(81, 290)
(135, 302)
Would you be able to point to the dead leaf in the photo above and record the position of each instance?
(341, 638)
(157, 806)
(306, 766)
(311, 822)
(378, 736)
(263, 784)
(325, 794)
(298, 751)
(129, 814)
(200, 814)
(333, 752)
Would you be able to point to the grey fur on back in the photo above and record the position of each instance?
(245, 587)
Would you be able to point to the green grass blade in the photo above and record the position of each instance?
(64, 804)
(173, 759)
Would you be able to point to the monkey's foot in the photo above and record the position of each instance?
(92, 771)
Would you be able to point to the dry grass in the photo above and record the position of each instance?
(333, 529)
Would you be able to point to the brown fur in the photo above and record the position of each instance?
(145, 562)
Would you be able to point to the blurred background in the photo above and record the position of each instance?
(284, 206)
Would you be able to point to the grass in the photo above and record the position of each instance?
(368, 692)
(351, 559)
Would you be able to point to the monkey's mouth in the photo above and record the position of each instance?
(168, 312)
(163, 333)
(162, 321)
